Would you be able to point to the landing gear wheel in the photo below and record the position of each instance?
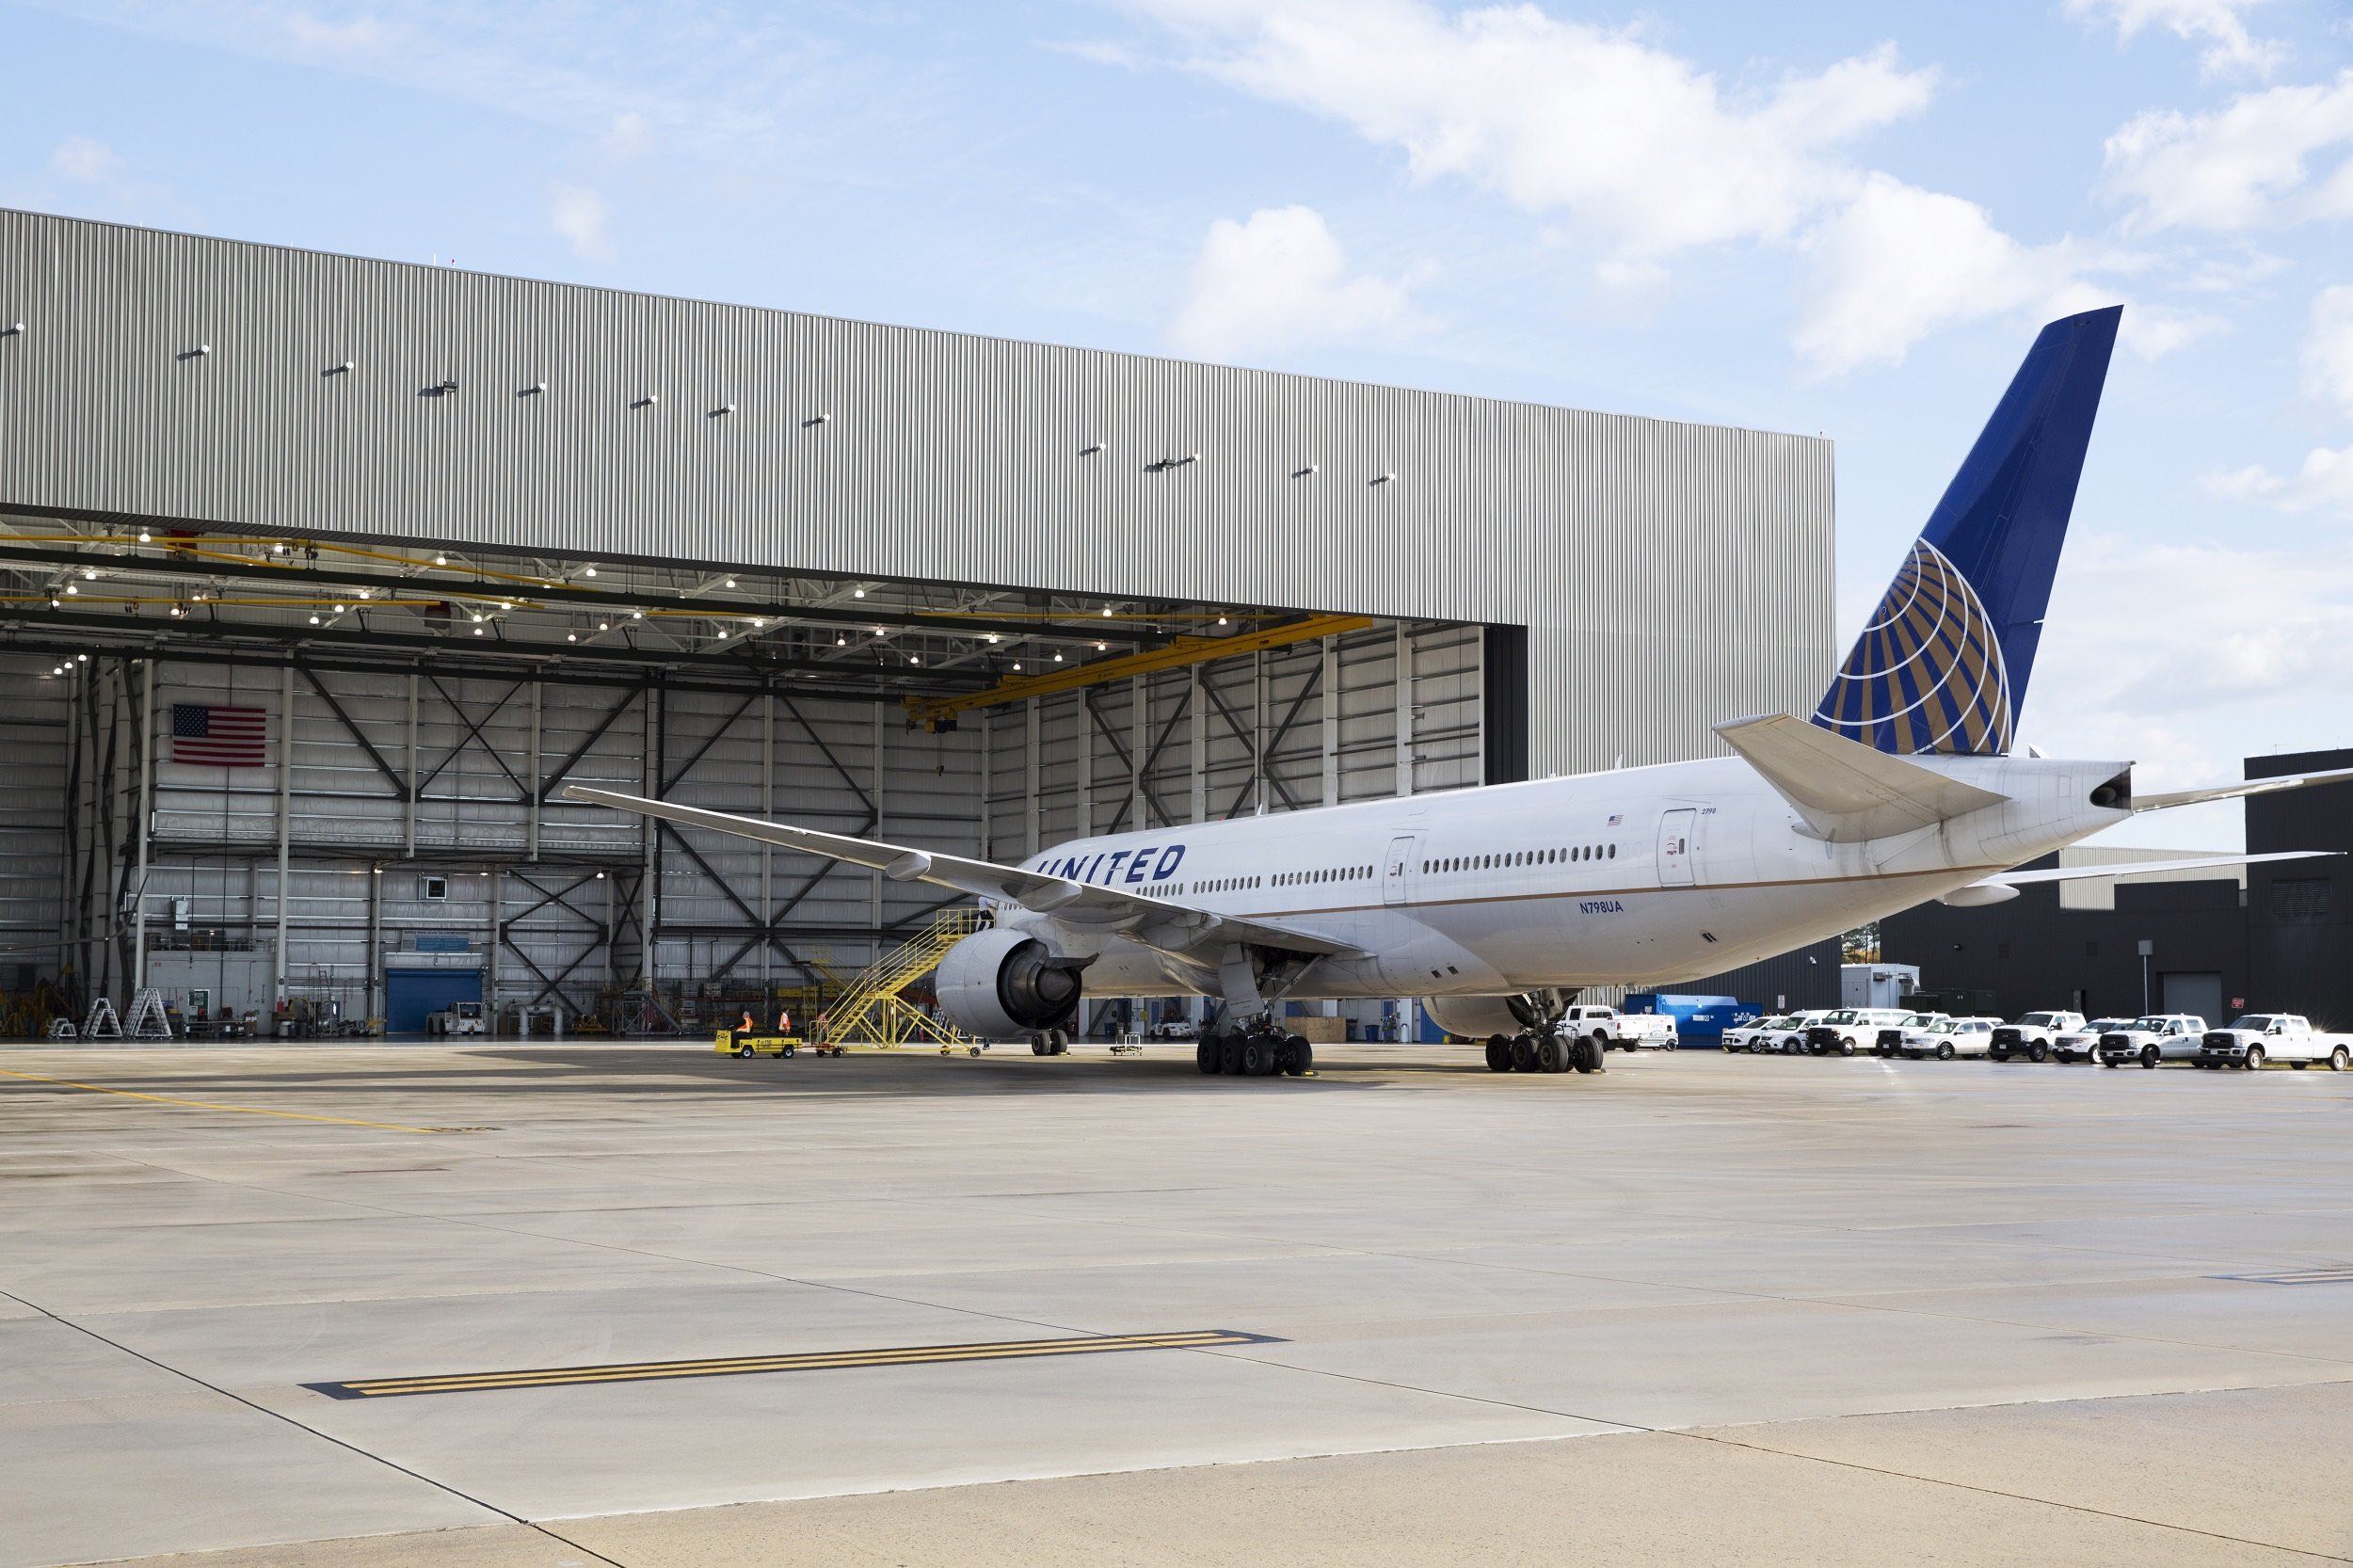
(1206, 1054)
(1523, 1054)
(2038, 1053)
(1058, 1043)
(1499, 1054)
(1585, 1055)
(1258, 1056)
(1037, 1046)
(1550, 1056)
(1229, 1055)
(1299, 1057)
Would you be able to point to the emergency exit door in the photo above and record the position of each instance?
(1397, 868)
(1674, 847)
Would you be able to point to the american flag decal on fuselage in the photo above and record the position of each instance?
(1927, 675)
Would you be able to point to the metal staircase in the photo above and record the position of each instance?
(872, 1011)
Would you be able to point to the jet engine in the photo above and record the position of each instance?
(1475, 1018)
(998, 983)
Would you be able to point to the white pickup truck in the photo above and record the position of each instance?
(2260, 1037)
(2153, 1038)
(2033, 1035)
(2082, 1044)
(1850, 1028)
(1616, 1031)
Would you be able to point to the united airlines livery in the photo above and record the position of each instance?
(1497, 905)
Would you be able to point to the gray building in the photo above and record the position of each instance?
(446, 541)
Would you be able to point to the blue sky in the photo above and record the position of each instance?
(1832, 217)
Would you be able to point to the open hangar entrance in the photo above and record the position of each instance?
(452, 539)
(348, 757)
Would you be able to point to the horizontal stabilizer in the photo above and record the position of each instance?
(2236, 792)
(1847, 790)
(2143, 868)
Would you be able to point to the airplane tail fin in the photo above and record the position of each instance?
(1942, 665)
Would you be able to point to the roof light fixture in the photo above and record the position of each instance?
(146, 538)
(439, 559)
(1058, 658)
(589, 571)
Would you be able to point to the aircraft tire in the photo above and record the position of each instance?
(1523, 1054)
(1037, 1046)
(1259, 1056)
(1229, 1055)
(1550, 1057)
(1499, 1054)
(1585, 1056)
(1298, 1058)
(1206, 1055)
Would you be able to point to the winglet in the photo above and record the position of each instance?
(1847, 790)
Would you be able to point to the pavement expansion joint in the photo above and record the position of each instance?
(820, 1361)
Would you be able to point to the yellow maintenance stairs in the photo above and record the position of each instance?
(872, 1010)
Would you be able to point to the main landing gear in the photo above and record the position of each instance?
(1256, 1050)
(1533, 1052)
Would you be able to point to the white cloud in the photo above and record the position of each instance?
(2230, 48)
(581, 215)
(2325, 483)
(85, 160)
(2328, 348)
(1899, 262)
(1641, 150)
(1279, 280)
(2188, 696)
(1639, 155)
(360, 35)
(2245, 164)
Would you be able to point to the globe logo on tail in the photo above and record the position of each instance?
(1926, 673)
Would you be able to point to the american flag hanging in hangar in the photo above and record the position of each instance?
(209, 736)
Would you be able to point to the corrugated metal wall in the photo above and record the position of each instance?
(1670, 574)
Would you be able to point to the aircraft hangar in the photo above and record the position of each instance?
(324, 575)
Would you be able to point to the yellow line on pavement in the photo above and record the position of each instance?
(905, 1355)
(216, 1105)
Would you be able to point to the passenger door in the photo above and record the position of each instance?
(1397, 868)
(1675, 846)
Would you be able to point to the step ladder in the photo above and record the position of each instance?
(102, 1024)
(872, 1011)
(148, 1018)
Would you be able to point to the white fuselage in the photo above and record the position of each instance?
(1635, 876)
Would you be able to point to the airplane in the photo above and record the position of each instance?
(1497, 906)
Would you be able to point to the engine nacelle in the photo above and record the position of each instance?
(997, 983)
(1474, 1017)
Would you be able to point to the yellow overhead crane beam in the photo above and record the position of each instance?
(933, 712)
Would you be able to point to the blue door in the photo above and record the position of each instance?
(411, 995)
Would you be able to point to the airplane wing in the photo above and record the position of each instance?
(1168, 924)
(2166, 799)
(2141, 868)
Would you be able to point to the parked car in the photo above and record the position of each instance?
(1949, 1038)
(2153, 1038)
(2083, 1045)
(1755, 1035)
(2032, 1034)
(1847, 1029)
(1891, 1037)
(2260, 1037)
(1618, 1031)
(1174, 1029)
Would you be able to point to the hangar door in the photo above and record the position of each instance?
(411, 996)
